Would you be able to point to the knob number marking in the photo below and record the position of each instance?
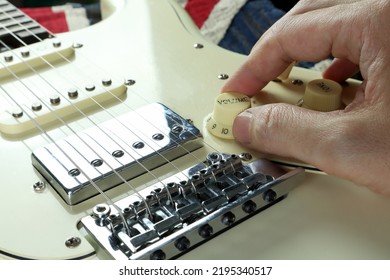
(226, 107)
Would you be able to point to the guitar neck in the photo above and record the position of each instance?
(17, 29)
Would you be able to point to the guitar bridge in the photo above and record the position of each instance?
(170, 218)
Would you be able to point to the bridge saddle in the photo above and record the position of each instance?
(170, 218)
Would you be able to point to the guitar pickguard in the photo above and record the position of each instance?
(155, 47)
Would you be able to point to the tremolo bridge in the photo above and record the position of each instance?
(189, 208)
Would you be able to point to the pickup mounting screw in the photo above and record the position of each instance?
(129, 82)
(198, 46)
(72, 242)
(56, 44)
(39, 186)
(223, 76)
(77, 45)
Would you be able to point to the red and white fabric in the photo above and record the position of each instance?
(213, 17)
(59, 19)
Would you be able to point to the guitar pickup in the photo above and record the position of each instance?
(115, 152)
(29, 58)
(50, 111)
(36, 78)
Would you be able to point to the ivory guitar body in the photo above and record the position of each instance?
(150, 44)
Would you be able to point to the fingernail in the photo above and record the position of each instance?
(242, 127)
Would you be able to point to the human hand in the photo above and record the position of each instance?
(353, 143)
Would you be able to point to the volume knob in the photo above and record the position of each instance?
(226, 107)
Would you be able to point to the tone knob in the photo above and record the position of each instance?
(323, 95)
(226, 107)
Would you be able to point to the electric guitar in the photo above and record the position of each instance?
(108, 151)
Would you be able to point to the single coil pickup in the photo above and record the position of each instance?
(28, 59)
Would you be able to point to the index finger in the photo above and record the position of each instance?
(311, 36)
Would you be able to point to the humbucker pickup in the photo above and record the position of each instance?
(115, 151)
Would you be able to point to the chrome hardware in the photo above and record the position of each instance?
(129, 82)
(246, 156)
(73, 93)
(17, 113)
(90, 87)
(73, 242)
(297, 82)
(77, 45)
(198, 46)
(189, 208)
(223, 76)
(106, 155)
(55, 99)
(56, 44)
(39, 186)
(8, 58)
(36, 106)
(106, 82)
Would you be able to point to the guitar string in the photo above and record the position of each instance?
(113, 169)
(176, 168)
(188, 152)
(38, 126)
(125, 104)
(44, 132)
(135, 159)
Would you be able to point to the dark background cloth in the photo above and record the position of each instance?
(284, 5)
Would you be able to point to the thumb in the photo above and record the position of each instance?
(286, 130)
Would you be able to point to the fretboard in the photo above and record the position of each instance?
(17, 29)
